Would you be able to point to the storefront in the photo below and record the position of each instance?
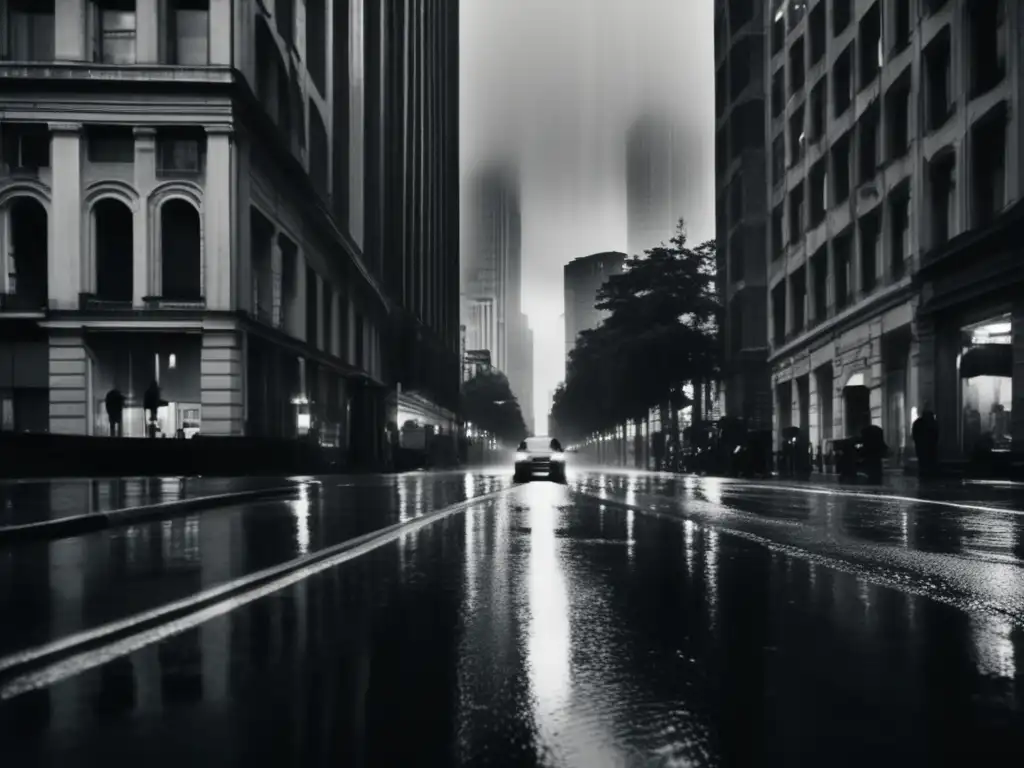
(970, 334)
(986, 386)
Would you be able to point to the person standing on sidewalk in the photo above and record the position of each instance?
(115, 409)
(925, 431)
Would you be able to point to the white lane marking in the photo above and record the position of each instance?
(293, 573)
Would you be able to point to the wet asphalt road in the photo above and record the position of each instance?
(627, 619)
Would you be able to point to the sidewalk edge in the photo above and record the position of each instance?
(76, 525)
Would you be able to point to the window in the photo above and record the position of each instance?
(842, 81)
(841, 168)
(778, 159)
(26, 147)
(988, 177)
(867, 134)
(819, 192)
(114, 26)
(736, 257)
(870, 243)
(817, 26)
(30, 30)
(180, 154)
(842, 14)
(870, 40)
(842, 249)
(778, 25)
(111, 145)
(779, 314)
(818, 111)
(988, 37)
(899, 228)
(798, 288)
(312, 307)
(797, 137)
(819, 278)
(796, 213)
(778, 92)
(939, 81)
(900, 25)
(943, 200)
(797, 73)
(316, 42)
(188, 30)
(898, 119)
(777, 232)
(736, 200)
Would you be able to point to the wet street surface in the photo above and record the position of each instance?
(623, 619)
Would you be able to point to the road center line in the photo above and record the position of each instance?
(204, 605)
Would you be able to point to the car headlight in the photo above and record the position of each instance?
(558, 457)
(520, 456)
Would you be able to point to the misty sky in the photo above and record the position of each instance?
(552, 85)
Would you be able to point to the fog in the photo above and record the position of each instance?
(553, 85)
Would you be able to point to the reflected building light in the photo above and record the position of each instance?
(630, 537)
(864, 593)
(905, 526)
(549, 640)
(420, 502)
(712, 488)
(300, 509)
(689, 545)
(403, 501)
(711, 576)
(993, 647)
(471, 565)
(689, 483)
(468, 484)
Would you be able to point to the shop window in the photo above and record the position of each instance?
(986, 392)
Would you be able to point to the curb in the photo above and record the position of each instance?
(23, 663)
(76, 525)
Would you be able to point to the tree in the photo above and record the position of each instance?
(661, 333)
(488, 402)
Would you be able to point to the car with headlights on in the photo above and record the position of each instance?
(540, 456)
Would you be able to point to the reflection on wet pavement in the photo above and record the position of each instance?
(34, 501)
(549, 629)
(51, 589)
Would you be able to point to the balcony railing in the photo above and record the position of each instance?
(90, 301)
(22, 302)
(160, 302)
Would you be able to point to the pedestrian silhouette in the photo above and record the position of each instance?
(115, 408)
(925, 431)
(152, 402)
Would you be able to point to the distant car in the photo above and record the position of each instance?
(540, 456)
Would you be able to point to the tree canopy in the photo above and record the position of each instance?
(488, 402)
(661, 332)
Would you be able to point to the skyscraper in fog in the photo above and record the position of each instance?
(492, 279)
(654, 200)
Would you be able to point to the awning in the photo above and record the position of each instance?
(987, 360)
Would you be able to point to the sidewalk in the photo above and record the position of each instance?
(34, 501)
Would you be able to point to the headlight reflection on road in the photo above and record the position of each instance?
(993, 647)
(548, 647)
(301, 512)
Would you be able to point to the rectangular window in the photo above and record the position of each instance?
(26, 147)
(899, 228)
(111, 145)
(30, 34)
(180, 153)
(114, 23)
(189, 32)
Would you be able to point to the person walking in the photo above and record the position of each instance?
(115, 410)
(151, 402)
(925, 431)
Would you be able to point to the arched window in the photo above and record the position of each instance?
(180, 251)
(27, 253)
(113, 242)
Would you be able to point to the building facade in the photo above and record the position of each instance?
(582, 278)
(195, 193)
(742, 210)
(520, 374)
(893, 127)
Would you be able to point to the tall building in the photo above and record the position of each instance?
(582, 279)
(654, 181)
(895, 148)
(492, 259)
(196, 222)
(741, 209)
(412, 88)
